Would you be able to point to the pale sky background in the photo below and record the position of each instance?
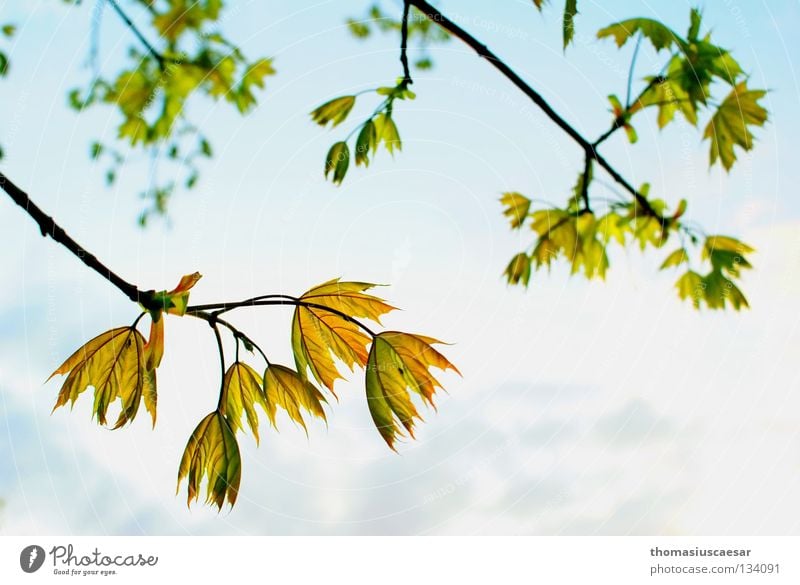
(584, 408)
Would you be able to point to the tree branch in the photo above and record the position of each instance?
(482, 50)
(129, 23)
(49, 227)
(404, 44)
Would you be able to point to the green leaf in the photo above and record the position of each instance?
(9, 30)
(286, 388)
(399, 362)
(320, 335)
(660, 35)
(729, 125)
(213, 453)
(335, 111)
(257, 71)
(113, 364)
(241, 391)
(690, 286)
(519, 269)
(386, 131)
(367, 141)
(676, 258)
(337, 161)
(570, 10)
(517, 207)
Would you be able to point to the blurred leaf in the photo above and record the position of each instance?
(660, 35)
(337, 161)
(570, 11)
(676, 258)
(517, 207)
(334, 112)
(519, 269)
(729, 125)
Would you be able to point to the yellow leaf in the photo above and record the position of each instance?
(517, 207)
(113, 363)
(285, 388)
(334, 111)
(241, 389)
(399, 361)
(212, 452)
(320, 335)
(154, 348)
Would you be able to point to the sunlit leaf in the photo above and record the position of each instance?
(113, 364)
(659, 34)
(213, 453)
(519, 269)
(676, 258)
(337, 161)
(320, 335)
(366, 142)
(399, 362)
(286, 388)
(729, 125)
(570, 11)
(241, 391)
(516, 208)
(690, 286)
(335, 111)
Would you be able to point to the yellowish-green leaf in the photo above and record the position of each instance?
(366, 142)
(729, 126)
(319, 335)
(399, 362)
(570, 11)
(337, 161)
(690, 286)
(517, 207)
(387, 132)
(659, 34)
(241, 391)
(286, 388)
(256, 72)
(519, 269)
(335, 111)
(154, 348)
(213, 453)
(676, 258)
(113, 363)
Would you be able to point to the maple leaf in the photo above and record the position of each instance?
(113, 363)
(241, 389)
(729, 125)
(286, 388)
(320, 335)
(212, 452)
(399, 361)
(516, 208)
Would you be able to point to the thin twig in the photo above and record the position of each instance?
(630, 71)
(404, 44)
(272, 300)
(482, 50)
(129, 23)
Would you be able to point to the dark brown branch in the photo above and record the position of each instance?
(404, 44)
(270, 300)
(48, 227)
(129, 23)
(483, 51)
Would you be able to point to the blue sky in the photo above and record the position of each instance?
(584, 407)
